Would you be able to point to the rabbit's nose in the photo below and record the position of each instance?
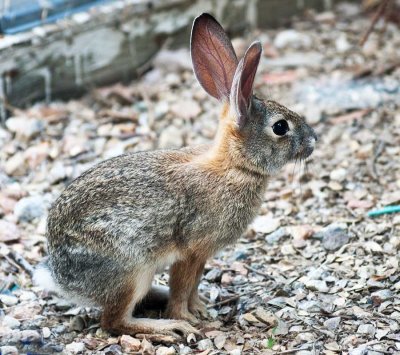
(311, 141)
(313, 134)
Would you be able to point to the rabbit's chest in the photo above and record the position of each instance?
(223, 219)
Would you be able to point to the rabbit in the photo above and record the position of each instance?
(119, 222)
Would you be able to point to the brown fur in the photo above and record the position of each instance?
(116, 224)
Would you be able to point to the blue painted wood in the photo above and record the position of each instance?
(21, 15)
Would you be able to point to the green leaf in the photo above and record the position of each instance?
(270, 343)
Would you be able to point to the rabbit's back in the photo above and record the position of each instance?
(120, 204)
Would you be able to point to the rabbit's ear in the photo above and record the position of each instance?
(242, 85)
(213, 57)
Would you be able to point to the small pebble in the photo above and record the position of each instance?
(8, 350)
(129, 343)
(332, 323)
(8, 300)
(29, 208)
(46, 332)
(366, 329)
(30, 336)
(205, 344)
(11, 322)
(165, 351)
(76, 347)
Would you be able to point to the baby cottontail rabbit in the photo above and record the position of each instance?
(122, 220)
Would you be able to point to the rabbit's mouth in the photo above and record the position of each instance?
(307, 149)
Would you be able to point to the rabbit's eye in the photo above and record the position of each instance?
(280, 128)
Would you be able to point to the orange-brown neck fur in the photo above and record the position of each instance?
(226, 153)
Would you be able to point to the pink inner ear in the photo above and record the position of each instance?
(242, 86)
(214, 60)
(250, 65)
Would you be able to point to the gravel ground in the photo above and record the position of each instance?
(313, 274)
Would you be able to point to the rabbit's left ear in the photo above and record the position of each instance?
(242, 84)
(213, 57)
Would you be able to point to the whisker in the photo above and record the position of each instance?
(293, 173)
(300, 174)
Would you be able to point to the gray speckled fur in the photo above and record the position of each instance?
(123, 213)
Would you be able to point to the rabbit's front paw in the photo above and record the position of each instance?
(198, 308)
(181, 313)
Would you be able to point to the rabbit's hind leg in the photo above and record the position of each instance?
(118, 317)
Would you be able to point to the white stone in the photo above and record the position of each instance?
(8, 350)
(24, 127)
(165, 351)
(46, 332)
(11, 322)
(342, 44)
(8, 300)
(338, 174)
(29, 208)
(292, 38)
(75, 347)
(205, 344)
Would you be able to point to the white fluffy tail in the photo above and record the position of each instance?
(42, 278)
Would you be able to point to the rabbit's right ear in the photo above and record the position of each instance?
(213, 57)
(242, 86)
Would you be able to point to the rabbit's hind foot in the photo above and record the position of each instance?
(117, 317)
(121, 325)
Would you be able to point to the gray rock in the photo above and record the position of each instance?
(77, 323)
(213, 275)
(24, 127)
(275, 237)
(294, 60)
(29, 208)
(205, 344)
(165, 351)
(75, 347)
(114, 349)
(8, 300)
(184, 350)
(380, 296)
(292, 38)
(348, 95)
(332, 323)
(342, 44)
(8, 350)
(11, 322)
(15, 166)
(30, 336)
(310, 306)
(160, 109)
(46, 332)
(338, 174)
(8, 231)
(333, 236)
(366, 329)
(57, 173)
(317, 285)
